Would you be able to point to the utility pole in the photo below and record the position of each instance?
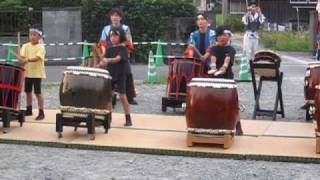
(225, 9)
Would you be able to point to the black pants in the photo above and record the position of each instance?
(32, 82)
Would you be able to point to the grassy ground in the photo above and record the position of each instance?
(286, 41)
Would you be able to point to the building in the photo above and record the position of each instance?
(294, 13)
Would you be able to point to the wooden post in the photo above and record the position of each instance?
(189, 140)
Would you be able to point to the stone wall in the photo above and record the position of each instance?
(62, 25)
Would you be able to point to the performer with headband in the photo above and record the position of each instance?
(32, 55)
(222, 55)
(116, 16)
(202, 39)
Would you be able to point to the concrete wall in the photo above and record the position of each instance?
(59, 25)
(62, 25)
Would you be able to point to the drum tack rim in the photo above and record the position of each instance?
(83, 110)
(213, 80)
(211, 85)
(91, 74)
(82, 68)
(210, 131)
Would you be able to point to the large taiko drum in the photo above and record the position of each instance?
(181, 71)
(312, 79)
(86, 90)
(11, 81)
(212, 104)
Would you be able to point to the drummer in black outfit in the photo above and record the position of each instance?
(222, 55)
(116, 61)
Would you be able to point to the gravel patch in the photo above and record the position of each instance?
(19, 162)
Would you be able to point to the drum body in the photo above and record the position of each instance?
(312, 79)
(212, 104)
(181, 71)
(86, 88)
(11, 81)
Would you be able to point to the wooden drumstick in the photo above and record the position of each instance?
(19, 42)
(17, 53)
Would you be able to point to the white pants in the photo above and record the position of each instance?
(250, 43)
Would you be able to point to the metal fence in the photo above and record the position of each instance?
(12, 21)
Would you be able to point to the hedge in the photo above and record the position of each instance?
(147, 18)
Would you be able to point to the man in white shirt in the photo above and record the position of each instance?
(252, 21)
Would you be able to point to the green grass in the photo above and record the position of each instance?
(286, 41)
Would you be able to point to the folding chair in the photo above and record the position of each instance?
(266, 64)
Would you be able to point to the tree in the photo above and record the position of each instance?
(11, 4)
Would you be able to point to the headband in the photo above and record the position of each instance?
(228, 32)
(36, 30)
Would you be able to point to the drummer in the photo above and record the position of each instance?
(222, 55)
(116, 15)
(116, 61)
(202, 39)
(32, 56)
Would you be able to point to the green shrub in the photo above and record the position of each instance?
(219, 20)
(232, 21)
(286, 41)
(10, 4)
(148, 19)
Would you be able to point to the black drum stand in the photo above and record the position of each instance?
(85, 120)
(8, 115)
(173, 102)
(268, 71)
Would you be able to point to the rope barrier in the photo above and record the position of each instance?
(52, 59)
(85, 43)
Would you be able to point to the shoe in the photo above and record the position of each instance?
(114, 100)
(28, 112)
(133, 102)
(128, 120)
(239, 131)
(40, 116)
